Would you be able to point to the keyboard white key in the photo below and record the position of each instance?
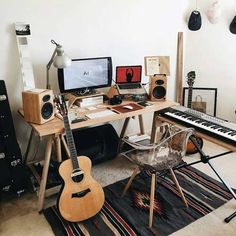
(100, 114)
(202, 126)
(206, 122)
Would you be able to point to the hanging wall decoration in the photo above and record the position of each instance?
(195, 20)
(22, 35)
(232, 26)
(214, 12)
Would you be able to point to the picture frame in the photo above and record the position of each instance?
(208, 98)
(156, 65)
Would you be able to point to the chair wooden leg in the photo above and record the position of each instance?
(152, 195)
(135, 172)
(178, 187)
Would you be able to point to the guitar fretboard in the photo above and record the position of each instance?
(71, 143)
(190, 96)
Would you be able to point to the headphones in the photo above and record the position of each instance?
(116, 99)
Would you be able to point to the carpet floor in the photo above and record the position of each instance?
(129, 215)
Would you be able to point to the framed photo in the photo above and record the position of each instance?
(156, 65)
(203, 99)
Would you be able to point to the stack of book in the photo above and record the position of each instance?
(89, 101)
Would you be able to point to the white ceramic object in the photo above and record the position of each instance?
(214, 12)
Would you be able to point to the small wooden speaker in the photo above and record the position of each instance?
(38, 105)
(157, 87)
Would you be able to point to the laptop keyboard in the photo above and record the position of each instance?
(129, 86)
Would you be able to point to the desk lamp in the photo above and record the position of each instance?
(59, 60)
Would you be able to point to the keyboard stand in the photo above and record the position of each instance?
(207, 160)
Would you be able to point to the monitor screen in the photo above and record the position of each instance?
(87, 73)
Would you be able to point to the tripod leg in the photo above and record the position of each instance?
(222, 180)
(205, 159)
(229, 218)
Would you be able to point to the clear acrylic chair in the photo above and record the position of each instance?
(158, 157)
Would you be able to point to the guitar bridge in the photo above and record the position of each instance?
(81, 193)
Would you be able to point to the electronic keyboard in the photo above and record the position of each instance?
(212, 126)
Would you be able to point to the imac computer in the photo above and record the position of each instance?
(85, 75)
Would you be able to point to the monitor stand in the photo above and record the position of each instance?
(73, 97)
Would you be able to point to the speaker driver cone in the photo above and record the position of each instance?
(47, 110)
(159, 92)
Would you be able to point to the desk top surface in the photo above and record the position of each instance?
(56, 125)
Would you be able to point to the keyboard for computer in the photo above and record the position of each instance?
(129, 86)
(100, 114)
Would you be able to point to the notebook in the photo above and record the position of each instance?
(128, 80)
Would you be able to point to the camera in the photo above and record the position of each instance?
(116, 99)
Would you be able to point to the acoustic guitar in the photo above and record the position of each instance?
(81, 197)
(191, 149)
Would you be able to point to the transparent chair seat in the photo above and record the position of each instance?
(165, 154)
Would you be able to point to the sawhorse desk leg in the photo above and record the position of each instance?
(141, 126)
(125, 125)
(122, 133)
(154, 127)
(155, 123)
(28, 146)
(57, 141)
(43, 181)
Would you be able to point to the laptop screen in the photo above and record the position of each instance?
(128, 74)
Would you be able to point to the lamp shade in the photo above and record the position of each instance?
(61, 60)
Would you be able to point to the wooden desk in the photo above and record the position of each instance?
(54, 129)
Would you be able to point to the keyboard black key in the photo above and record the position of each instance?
(207, 124)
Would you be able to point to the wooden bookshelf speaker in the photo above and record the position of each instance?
(38, 105)
(157, 87)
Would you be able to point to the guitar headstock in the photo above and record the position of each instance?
(61, 105)
(191, 78)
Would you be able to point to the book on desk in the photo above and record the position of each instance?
(89, 101)
(83, 101)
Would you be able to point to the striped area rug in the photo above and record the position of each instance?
(129, 215)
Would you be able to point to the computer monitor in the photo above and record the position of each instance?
(86, 74)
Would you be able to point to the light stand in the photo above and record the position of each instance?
(59, 60)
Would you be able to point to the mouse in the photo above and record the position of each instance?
(128, 107)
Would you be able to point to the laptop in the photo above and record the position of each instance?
(128, 80)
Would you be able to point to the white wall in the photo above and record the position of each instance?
(211, 52)
(125, 30)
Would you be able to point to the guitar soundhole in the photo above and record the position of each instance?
(77, 175)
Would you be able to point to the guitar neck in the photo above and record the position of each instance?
(71, 143)
(190, 96)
